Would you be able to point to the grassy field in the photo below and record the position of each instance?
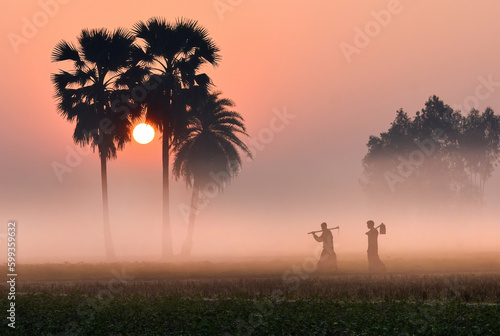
(285, 297)
(77, 314)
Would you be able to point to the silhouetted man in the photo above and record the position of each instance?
(374, 262)
(328, 259)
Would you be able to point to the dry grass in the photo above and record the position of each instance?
(465, 287)
(472, 280)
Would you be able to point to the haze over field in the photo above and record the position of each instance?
(311, 88)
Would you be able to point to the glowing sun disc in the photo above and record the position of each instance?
(143, 133)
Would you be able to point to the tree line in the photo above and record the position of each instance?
(439, 154)
(151, 72)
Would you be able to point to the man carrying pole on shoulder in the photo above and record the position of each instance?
(328, 259)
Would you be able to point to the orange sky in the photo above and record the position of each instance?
(277, 56)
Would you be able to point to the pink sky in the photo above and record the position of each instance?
(277, 56)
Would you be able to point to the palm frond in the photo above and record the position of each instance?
(86, 93)
(211, 144)
(61, 81)
(65, 51)
(120, 49)
(95, 45)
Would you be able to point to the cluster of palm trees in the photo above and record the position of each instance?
(151, 72)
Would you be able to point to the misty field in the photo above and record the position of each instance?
(255, 298)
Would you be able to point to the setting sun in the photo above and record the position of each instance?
(143, 133)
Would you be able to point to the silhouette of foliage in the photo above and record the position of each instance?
(208, 153)
(170, 60)
(438, 154)
(86, 93)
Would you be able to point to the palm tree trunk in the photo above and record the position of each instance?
(108, 241)
(167, 250)
(188, 243)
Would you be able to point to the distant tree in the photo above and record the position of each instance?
(173, 55)
(384, 152)
(437, 154)
(480, 145)
(209, 152)
(85, 95)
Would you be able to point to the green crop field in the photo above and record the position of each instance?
(78, 314)
(201, 298)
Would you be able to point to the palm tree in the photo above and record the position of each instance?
(85, 95)
(173, 54)
(209, 152)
